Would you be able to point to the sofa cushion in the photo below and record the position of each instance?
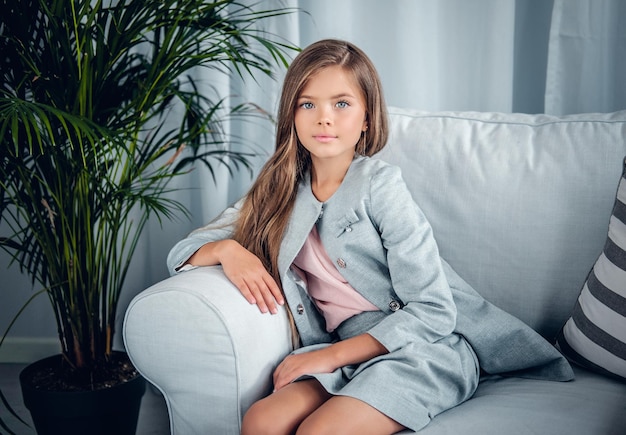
(592, 404)
(595, 335)
(518, 203)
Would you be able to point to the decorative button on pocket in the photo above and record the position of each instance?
(300, 309)
(394, 305)
(341, 263)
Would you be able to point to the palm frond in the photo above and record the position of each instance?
(86, 156)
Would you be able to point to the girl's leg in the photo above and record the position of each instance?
(347, 415)
(283, 411)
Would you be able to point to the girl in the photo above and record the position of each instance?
(336, 236)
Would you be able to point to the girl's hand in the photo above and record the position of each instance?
(294, 366)
(246, 271)
(354, 350)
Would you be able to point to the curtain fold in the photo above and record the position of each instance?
(587, 57)
(431, 55)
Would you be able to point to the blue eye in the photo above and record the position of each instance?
(342, 104)
(307, 105)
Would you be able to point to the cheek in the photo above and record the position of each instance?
(298, 125)
(300, 130)
(301, 119)
(358, 120)
(356, 126)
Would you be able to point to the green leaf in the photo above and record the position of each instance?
(100, 109)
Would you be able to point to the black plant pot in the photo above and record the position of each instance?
(112, 410)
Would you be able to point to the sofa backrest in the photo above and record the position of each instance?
(519, 203)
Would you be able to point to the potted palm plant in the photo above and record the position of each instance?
(87, 157)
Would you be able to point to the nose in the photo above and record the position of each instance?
(325, 117)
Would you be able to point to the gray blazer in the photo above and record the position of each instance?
(383, 245)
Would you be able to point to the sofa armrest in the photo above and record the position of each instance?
(205, 348)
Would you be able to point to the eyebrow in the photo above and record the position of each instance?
(334, 97)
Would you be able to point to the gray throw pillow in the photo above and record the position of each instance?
(595, 334)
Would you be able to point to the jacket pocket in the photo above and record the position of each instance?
(344, 224)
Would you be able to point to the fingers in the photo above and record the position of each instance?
(245, 291)
(273, 289)
(259, 288)
(293, 367)
(265, 294)
(290, 369)
(280, 377)
(246, 271)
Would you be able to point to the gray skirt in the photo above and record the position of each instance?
(410, 385)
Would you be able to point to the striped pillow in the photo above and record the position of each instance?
(595, 335)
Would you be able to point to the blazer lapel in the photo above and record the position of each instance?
(305, 213)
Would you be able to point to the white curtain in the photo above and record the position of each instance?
(532, 56)
(587, 57)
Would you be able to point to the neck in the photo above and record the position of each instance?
(327, 176)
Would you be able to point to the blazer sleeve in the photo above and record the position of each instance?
(221, 228)
(415, 268)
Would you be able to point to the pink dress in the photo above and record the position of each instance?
(335, 298)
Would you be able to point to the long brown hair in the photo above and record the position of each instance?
(267, 207)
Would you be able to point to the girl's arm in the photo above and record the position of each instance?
(221, 228)
(209, 254)
(353, 350)
(415, 268)
(212, 245)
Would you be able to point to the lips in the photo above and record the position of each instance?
(325, 138)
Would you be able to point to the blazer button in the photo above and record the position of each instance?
(394, 305)
(300, 309)
(341, 263)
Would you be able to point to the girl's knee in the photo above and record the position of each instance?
(266, 417)
(283, 411)
(318, 426)
(258, 421)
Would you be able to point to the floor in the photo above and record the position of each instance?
(152, 416)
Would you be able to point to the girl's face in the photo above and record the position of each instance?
(330, 116)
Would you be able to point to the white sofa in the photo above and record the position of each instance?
(520, 206)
